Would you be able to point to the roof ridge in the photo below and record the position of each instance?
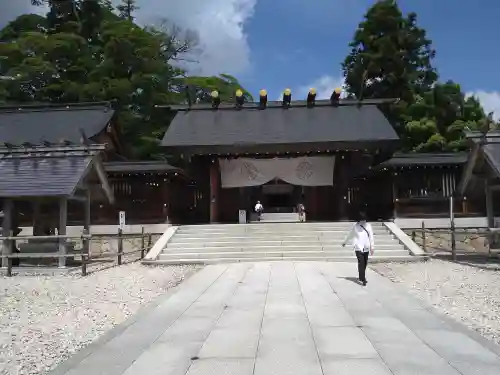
(50, 107)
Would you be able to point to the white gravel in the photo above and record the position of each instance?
(44, 319)
(467, 293)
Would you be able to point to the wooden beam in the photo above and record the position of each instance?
(467, 174)
(6, 229)
(63, 220)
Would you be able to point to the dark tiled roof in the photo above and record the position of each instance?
(139, 166)
(49, 171)
(297, 125)
(491, 147)
(41, 177)
(52, 123)
(399, 160)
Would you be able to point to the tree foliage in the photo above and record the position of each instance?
(85, 51)
(391, 57)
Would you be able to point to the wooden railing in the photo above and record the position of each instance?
(87, 258)
(423, 233)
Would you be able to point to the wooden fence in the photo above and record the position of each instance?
(87, 258)
(423, 233)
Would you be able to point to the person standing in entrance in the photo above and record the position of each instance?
(259, 209)
(302, 212)
(363, 243)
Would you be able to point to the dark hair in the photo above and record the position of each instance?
(361, 216)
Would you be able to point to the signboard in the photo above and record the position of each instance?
(121, 220)
(242, 216)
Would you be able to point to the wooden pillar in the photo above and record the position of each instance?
(63, 220)
(37, 223)
(490, 214)
(167, 201)
(214, 191)
(489, 204)
(7, 229)
(86, 221)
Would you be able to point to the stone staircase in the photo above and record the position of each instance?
(219, 243)
(276, 217)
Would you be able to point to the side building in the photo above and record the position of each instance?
(28, 127)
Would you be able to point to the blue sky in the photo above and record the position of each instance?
(294, 44)
(275, 44)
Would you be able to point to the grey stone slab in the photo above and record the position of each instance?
(343, 342)
(355, 367)
(285, 309)
(329, 317)
(285, 329)
(237, 318)
(247, 302)
(416, 359)
(164, 358)
(420, 319)
(460, 351)
(119, 353)
(231, 343)
(189, 329)
(219, 366)
(381, 322)
(392, 335)
(287, 365)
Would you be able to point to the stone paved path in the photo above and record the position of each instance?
(288, 319)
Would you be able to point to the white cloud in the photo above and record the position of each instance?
(220, 27)
(490, 100)
(324, 87)
(218, 23)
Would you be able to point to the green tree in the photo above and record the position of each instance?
(226, 85)
(23, 24)
(390, 55)
(111, 59)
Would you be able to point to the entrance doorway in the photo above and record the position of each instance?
(278, 196)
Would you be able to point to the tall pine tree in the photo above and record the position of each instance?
(390, 55)
(126, 9)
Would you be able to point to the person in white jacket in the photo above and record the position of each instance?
(363, 243)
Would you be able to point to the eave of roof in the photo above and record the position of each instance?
(49, 171)
(52, 123)
(426, 159)
(278, 129)
(140, 167)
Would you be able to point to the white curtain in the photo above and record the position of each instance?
(302, 171)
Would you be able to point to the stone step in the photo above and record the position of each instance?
(273, 254)
(349, 259)
(252, 248)
(274, 226)
(270, 230)
(225, 243)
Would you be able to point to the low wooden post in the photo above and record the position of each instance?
(6, 246)
(143, 243)
(85, 251)
(424, 247)
(9, 260)
(150, 241)
(120, 246)
(452, 229)
(63, 221)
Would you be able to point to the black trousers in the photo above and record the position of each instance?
(362, 263)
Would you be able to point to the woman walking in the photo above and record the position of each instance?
(363, 243)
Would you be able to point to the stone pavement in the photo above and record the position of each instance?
(287, 318)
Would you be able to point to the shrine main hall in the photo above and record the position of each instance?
(282, 153)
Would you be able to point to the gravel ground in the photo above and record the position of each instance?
(468, 293)
(43, 320)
